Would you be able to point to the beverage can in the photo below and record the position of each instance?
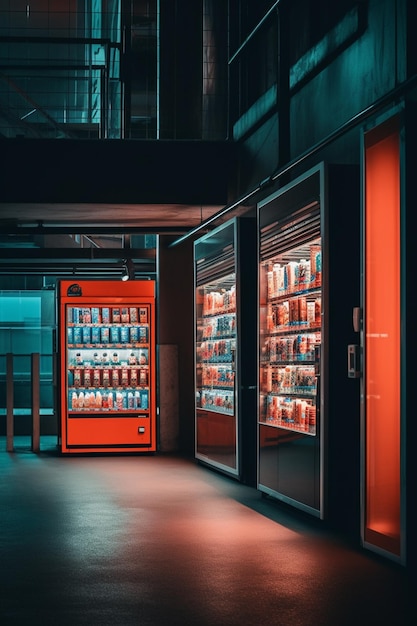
(133, 377)
(86, 334)
(74, 400)
(95, 334)
(77, 335)
(95, 315)
(115, 334)
(143, 334)
(144, 399)
(96, 377)
(134, 334)
(99, 399)
(115, 378)
(106, 378)
(76, 315)
(143, 376)
(125, 377)
(104, 335)
(124, 334)
(302, 309)
(87, 400)
(317, 310)
(311, 313)
(87, 377)
(77, 378)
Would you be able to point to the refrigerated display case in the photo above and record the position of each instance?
(107, 366)
(225, 352)
(291, 338)
(308, 285)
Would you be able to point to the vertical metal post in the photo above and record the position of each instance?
(10, 402)
(283, 104)
(35, 401)
(55, 395)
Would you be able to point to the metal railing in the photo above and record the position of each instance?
(35, 408)
(60, 87)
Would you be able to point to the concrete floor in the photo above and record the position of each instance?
(131, 541)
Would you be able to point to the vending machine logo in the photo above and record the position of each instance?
(74, 290)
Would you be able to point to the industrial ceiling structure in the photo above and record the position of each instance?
(88, 238)
(85, 207)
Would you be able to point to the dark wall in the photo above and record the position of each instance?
(181, 69)
(363, 70)
(332, 85)
(176, 326)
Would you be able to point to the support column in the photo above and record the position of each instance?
(10, 402)
(35, 360)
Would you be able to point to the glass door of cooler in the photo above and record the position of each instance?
(290, 339)
(225, 348)
(216, 427)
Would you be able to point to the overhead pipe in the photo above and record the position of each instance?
(14, 227)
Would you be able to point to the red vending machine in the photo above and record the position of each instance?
(107, 366)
